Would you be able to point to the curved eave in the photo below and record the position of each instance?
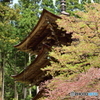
(33, 73)
(41, 25)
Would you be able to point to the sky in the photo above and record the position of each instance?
(15, 1)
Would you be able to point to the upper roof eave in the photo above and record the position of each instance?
(23, 45)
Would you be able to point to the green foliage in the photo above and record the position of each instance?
(48, 4)
(28, 20)
(7, 15)
(82, 56)
(17, 22)
(85, 49)
(9, 57)
(76, 5)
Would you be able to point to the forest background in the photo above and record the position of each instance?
(16, 23)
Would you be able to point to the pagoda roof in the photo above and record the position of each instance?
(43, 37)
(39, 32)
(33, 74)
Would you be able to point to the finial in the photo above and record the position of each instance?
(63, 7)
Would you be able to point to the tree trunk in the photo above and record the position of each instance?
(2, 55)
(16, 93)
(30, 90)
(0, 76)
(15, 83)
(37, 89)
(2, 65)
(25, 92)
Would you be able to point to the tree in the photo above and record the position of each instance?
(7, 36)
(51, 6)
(14, 28)
(29, 11)
(74, 5)
(78, 65)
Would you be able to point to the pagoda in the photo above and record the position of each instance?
(39, 42)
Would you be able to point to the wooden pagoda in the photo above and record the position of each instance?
(39, 42)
